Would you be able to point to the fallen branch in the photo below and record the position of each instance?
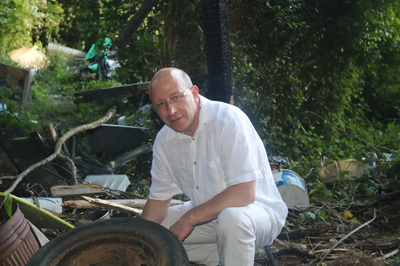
(133, 203)
(114, 206)
(345, 237)
(57, 153)
(8, 177)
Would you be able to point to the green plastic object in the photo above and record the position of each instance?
(93, 67)
(107, 43)
(97, 49)
(93, 53)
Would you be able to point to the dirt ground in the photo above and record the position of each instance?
(344, 241)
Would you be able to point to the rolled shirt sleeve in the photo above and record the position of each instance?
(163, 185)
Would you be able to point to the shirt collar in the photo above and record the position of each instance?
(206, 115)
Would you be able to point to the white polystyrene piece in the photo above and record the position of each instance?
(118, 182)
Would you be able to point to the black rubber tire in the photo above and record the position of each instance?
(117, 242)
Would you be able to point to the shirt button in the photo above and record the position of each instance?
(193, 139)
(197, 187)
(194, 163)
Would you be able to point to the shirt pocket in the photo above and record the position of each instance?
(214, 177)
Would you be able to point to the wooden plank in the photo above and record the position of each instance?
(77, 190)
(124, 91)
(134, 203)
(113, 206)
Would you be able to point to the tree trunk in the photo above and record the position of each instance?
(217, 49)
(133, 24)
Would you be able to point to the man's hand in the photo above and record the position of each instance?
(182, 228)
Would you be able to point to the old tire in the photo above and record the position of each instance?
(117, 242)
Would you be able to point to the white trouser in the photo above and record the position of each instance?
(230, 240)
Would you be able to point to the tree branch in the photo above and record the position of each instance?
(57, 153)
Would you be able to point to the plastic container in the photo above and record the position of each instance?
(292, 188)
(53, 48)
(52, 204)
(118, 182)
(355, 168)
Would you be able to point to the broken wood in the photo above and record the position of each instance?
(49, 132)
(129, 156)
(113, 206)
(133, 203)
(57, 153)
(124, 91)
(77, 190)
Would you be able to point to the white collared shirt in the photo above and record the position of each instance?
(225, 150)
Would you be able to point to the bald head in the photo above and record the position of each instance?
(170, 74)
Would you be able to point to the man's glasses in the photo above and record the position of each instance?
(174, 100)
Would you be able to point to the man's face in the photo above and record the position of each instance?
(182, 116)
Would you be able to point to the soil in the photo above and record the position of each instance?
(353, 259)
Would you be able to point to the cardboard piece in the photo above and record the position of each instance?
(30, 57)
(18, 78)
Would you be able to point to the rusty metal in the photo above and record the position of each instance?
(110, 249)
(17, 243)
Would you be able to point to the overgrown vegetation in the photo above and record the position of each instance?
(317, 79)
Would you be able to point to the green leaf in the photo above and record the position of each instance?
(7, 202)
(357, 156)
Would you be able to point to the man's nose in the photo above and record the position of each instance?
(171, 108)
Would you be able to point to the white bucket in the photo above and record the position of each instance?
(292, 188)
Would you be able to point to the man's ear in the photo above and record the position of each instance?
(195, 92)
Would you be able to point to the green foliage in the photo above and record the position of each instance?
(23, 23)
(318, 79)
(15, 25)
(181, 197)
(393, 133)
(392, 261)
(319, 191)
(13, 115)
(54, 78)
(302, 76)
(142, 190)
(54, 89)
(7, 203)
(312, 218)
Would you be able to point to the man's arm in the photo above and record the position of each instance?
(237, 195)
(156, 210)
